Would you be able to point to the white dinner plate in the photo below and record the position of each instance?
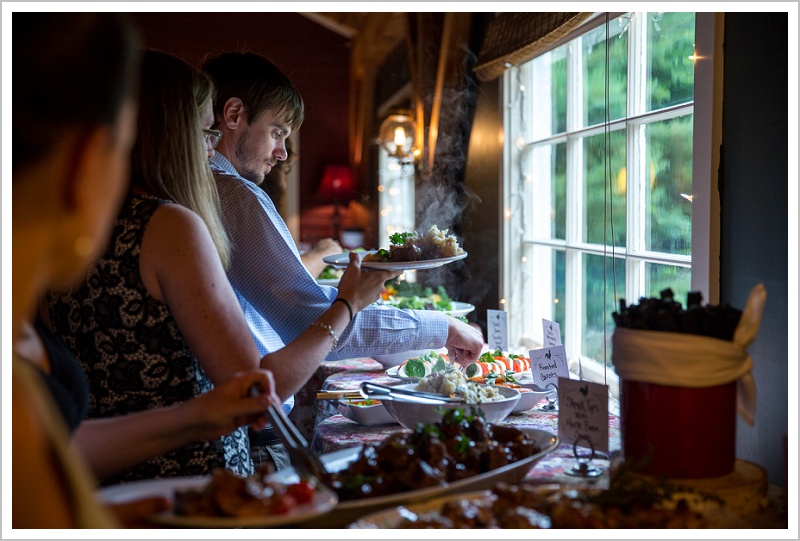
(342, 260)
(524, 378)
(333, 282)
(324, 501)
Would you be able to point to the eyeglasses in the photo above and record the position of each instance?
(211, 137)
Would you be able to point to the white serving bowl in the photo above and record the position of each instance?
(408, 414)
(527, 400)
(376, 414)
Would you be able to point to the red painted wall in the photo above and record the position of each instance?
(315, 59)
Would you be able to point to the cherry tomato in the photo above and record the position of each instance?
(303, 491)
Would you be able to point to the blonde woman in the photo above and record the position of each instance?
(156, 322)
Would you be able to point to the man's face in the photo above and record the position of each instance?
(260, 146)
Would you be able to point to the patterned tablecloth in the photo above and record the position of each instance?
(306, 408)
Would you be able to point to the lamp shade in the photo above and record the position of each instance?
(338, 183)
(396, 135)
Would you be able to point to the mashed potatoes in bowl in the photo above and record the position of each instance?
(452, 382)
(490, 402)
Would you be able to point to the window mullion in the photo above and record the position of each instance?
(574, 226)
(636, 155)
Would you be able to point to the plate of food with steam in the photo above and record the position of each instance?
(409, 251)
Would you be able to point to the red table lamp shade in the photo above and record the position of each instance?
(338, 184)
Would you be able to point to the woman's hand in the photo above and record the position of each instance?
(231, 405)
(362, 287)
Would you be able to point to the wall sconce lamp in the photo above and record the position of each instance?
(397, 135)
(339, 186)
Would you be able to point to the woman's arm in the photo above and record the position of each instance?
(112, 444)
(180, 266)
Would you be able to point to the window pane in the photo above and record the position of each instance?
(594, 72)
(549, 267)
(669, 166)
(597, 216)
(549, 102)
(670, 46)
(598, 303)
(661, 277)
(549, 174)
(396, 197)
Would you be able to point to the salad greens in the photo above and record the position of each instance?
(412, 295)
(399, 239)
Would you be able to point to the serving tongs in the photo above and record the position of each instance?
(376, 391)
(305, 462)
(339, 395)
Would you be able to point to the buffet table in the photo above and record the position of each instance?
(334, 432)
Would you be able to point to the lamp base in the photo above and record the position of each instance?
(336, 221)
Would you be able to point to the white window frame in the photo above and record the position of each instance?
(517, 286)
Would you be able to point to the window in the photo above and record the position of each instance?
(395, 197)
(600, 176)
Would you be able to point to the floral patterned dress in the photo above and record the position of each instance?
(133, 353)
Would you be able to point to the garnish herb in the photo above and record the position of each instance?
(400, 238)
(415, 368)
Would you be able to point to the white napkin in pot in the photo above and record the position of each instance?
(686, 360)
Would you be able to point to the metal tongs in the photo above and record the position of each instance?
(376, 391)
(305, 462)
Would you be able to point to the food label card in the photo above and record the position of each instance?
(583, 414)
(552, 333)
(497, 329)
(548, 364)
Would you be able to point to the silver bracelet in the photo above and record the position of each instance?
(330, 331)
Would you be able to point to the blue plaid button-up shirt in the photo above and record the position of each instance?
(281, 299)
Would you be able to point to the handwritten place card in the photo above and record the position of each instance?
(552, 333)
(497, 329)
(548, 364)
(583, 414)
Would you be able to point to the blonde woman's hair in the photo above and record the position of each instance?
(170, 158)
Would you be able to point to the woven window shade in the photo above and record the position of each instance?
(513, 38)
